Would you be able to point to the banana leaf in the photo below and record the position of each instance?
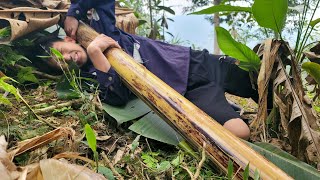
(132, 110)
(313, 69)
(153, 127)
(271, 13)
(288, 163)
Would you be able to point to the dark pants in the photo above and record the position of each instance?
(210, 76)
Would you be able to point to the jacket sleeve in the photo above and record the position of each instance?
(113, 91)
(79, 8)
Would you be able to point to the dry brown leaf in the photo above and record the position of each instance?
(39, 141)
(103, 138)
(73, 155)
(8, 170)
(53, 4)
(4, 157)
(5, 174)
(32, 22)
(118, 156)
(269, 56)
(53, 169)
(312, 56)
(298, 119)
(34, 172)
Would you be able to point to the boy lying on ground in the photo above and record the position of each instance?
(201, 77)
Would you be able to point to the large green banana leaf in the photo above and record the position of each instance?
(288, 163)
(133, 110)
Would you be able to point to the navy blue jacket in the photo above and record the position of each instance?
(169, 62)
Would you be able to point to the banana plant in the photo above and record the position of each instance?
(269, 14)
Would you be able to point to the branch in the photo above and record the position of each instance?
(41, 74)
(53, 107)
(115, 172)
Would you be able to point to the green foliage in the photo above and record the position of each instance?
(61, 110)
(136, 107)
(135, 144)
(223, 8)
(10, 57)
(256, 175)
(57, 54)
(163, 166)
(26, 74)
(8, 88)
(249, 60)
(91, 137)
(288, 163)
(65, 90)
(165, 8)
(315, 22)
(106, 172)
(178, 160)
(5, 32)
(149, 158)
(313, 69)
(92, 142)
(246, 173)
(153, 127)
(271, 13)
(230, 170)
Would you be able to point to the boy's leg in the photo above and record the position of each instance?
(205, 90)
(237, 81)
(210, 98)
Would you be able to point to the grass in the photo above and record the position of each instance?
(150, 159)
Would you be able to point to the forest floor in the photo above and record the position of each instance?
(126, 153)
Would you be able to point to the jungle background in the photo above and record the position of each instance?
(47, 116)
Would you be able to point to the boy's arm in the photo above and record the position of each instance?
(112, 89)
(78, 10)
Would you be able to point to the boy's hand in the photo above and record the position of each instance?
(71, 26)
(101, 43)
(95, 51)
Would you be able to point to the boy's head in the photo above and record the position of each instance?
(69, 49)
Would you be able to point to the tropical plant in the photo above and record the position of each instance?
(92, 142)
(7, 89)
(153, 22)
(289, 95)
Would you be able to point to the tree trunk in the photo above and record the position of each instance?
(216, 22)
(195, 125)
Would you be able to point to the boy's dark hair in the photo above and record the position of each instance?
(40, 53)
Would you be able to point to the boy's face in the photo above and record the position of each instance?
(71, 52)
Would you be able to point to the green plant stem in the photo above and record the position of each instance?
(305, 37)
(301, 22)
(185, 147)
(115, 172)
(95, 154)
(151, 20)
(51, 108)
